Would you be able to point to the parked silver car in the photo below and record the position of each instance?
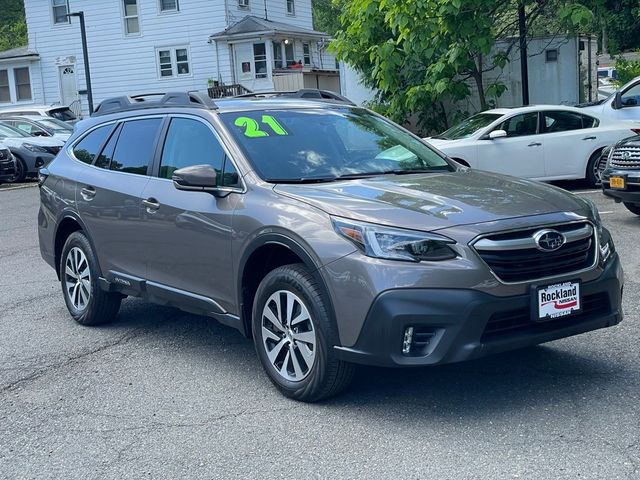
(322, 230)
(40, 126)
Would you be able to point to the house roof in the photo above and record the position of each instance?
(251, 26)
(20, 52)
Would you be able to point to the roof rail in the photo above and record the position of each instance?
(304, 93)
(146, 100)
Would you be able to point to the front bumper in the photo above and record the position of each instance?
(7, 169)
(460, 324)
(631, 192)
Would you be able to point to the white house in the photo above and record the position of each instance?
(148, 46)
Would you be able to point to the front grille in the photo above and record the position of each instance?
(7, 167)
(625, 156)
(518, 322)
(4, 154)
(512, 263)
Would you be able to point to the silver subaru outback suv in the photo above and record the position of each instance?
(328, 234)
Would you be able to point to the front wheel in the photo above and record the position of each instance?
(79, 273)
(633, 208)
(294, 336)
(21, 172)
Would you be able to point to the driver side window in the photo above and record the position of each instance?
(520, 125)
(631, 98)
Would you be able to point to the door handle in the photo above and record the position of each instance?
(88, 193)
(589, 138)
(152, 205)
(534, 144)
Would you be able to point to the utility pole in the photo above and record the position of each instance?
(85, 55)
(524, 68)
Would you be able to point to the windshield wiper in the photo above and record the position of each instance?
(397, 171)
(301, 180)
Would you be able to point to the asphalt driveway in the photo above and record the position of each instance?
(164, 394)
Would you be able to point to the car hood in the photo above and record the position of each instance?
(441, 143)
(16, 142)
(435, 201)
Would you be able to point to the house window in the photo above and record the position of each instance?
(23, 83)
(131, 20)
(173, 62)
(291, 7)
(306, 54)
(289, 53)
(551, 55)
(243, 4)
(5, 94)
(277, 54)
(169, 6)
(260, 59)
(60, 11)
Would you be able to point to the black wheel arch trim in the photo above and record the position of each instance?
(293, 242)
(73, 215)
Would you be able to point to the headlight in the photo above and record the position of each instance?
(607, 247)
(34, 148)
(394, 243)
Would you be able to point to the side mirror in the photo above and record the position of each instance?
(200, 178)
(617, 101)
(497, 134)
(41, 133)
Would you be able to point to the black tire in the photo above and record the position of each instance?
(591, 176)
(21, 171)
(327, 375)
(101, 307)
(632, 207)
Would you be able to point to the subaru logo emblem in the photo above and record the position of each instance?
(548, 240)
(626, 155)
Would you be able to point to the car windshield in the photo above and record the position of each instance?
(63, 114)
(55, 125)
(10, 132)
(470, 126)
(298, 145)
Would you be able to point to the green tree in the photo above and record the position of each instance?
(13, 29)
(418, 52)
(326, 15)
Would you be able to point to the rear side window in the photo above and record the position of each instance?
(561, 121)
(64, 114)
(136, 146)
(87, 149)
(190, 142)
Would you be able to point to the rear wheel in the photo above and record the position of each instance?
(633, 208)
(593, 174)
(21, 171)
(79, 273)
(294, 336)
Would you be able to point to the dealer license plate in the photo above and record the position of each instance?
(616, 182)
(558, 300)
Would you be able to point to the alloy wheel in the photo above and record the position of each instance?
(288, 335)
(77, 279)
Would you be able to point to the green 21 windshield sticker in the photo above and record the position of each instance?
(252, 127)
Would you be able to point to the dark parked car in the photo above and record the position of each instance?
(621, 176)
(7, 165)
(30, 152)
(322, 230)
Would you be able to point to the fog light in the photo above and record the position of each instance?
(408, 339)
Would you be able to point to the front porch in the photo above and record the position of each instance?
(273, 56)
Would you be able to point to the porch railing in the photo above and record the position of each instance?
(220, 91)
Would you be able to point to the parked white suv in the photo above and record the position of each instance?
(623, 104)
(540, 142)
(61, 112)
